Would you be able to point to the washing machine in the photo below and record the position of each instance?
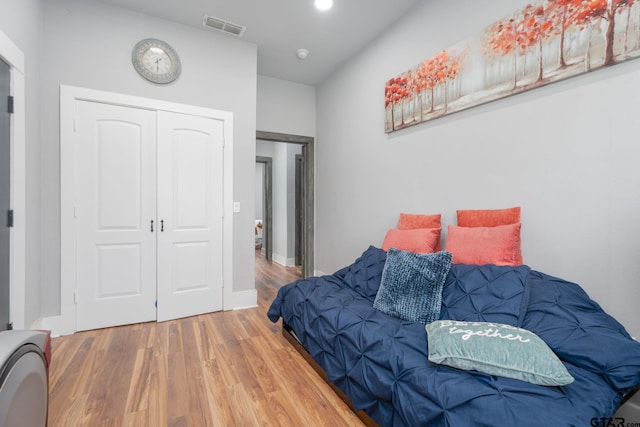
(24, 378)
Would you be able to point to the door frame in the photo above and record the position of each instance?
(5, 199)
(66, 323)
(308, 211)
(13, 56)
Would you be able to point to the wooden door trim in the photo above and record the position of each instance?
(308, 152)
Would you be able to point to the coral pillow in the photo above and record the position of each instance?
(409, 221)
(419, 240)
(488, 217)
(498, 245)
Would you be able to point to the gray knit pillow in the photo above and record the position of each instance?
(411, 286)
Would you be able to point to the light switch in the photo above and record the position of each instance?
(236, 207)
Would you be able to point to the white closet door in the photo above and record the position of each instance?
(190, 209)
(115, 196)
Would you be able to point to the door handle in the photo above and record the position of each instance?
(162, 225)
(152, 226)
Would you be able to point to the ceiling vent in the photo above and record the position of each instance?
(222, 25)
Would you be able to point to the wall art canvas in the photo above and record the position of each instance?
(544, 42)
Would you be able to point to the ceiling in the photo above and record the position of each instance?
(280, 27)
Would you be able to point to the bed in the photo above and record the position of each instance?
(381, 363)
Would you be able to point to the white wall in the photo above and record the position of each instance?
(21, 21)
(260, 168)
(292, 151)
(88, 44)
(284, 202)
(264, 148)
(280, 217)
(286, 107)
(566, 153)
(283, 192)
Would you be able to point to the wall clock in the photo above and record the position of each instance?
(156, 61)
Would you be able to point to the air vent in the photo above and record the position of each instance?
(224, 26)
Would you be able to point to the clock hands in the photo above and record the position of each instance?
(156, 61)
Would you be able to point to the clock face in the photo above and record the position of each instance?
(156, 61)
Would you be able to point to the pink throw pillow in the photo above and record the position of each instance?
(499, 245)
(418, 240)
(409, 221)
(488, 217)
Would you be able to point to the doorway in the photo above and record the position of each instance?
(306, 197)
(5, 199)
(264, 202)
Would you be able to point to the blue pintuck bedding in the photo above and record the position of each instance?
(381, 362)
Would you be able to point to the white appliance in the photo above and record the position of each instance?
(24, 378)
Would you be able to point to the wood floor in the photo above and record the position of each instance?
(222, 369)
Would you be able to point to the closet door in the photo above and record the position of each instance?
(115, 204)
(190, 209)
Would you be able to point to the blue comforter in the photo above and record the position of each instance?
(381, 363)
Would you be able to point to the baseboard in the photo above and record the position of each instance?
(244, 299)
(283, 261)
(55, 324)
(52, 324)
(37, 324)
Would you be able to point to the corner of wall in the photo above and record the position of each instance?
(244, 299)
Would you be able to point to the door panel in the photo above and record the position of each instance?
(190, 209)
(190, 178)
(116, 241)
(5, 196)
(118, 168)
(190, 265)
(119, 271)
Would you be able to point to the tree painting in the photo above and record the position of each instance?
(543, 42)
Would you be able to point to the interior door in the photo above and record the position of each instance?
(116, 224)
(5, 196)
(190, 214)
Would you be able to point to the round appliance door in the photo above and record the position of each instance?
(24, 386)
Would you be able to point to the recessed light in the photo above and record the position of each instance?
(302, 53)
(324, 4)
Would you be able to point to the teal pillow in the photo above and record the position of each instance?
(411, 285)
(495, 349)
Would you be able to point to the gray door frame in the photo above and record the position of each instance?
(308, 202)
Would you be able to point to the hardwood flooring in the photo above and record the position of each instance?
(229, 368)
